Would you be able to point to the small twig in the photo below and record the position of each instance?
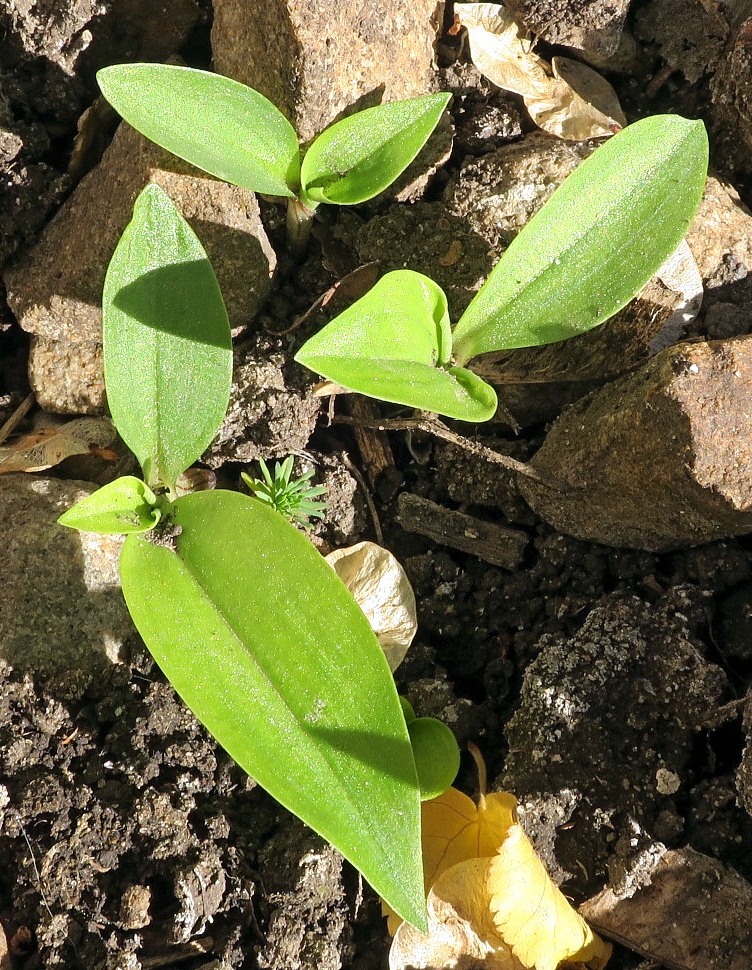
(438, 428)
(355, 471)
(34, 861)
(16, 418)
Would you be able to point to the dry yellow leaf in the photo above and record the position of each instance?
(454, 829)
(491, 902)
(566, 98)
(533, 916)
(460, 926)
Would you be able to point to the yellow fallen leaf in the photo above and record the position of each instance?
(566, 98)
(533, 916)
(490, 902)
(461, 931)
(454, 829)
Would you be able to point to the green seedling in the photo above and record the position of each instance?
(252, 627)
(235, 133)
(292, 497)
(436, 752)
(601, 236)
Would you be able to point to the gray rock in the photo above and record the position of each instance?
(605, 719)
(659, 458)
(317, 63)
(62, 614)
(272, 410)
(498, 193)
(593, 28)
(55, 290)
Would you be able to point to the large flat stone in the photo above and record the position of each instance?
(55, 290)
(658, 459)
(63, 618)
(315, 62)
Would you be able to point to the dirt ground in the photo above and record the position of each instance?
(129, 840)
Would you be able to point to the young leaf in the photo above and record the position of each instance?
(596, 242)
(123, 506)
(216, 124)
(167, 345)
(360, 156)
(394, 344)
(273, 654)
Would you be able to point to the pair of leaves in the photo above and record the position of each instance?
(231, 131)
(254, 630)
(490, 898)
(567, 99)
(601, 236)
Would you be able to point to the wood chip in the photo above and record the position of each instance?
(493, 543)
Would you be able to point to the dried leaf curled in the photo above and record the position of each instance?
(566, 98)
(491, 902)
(382, 590)
(46, 447)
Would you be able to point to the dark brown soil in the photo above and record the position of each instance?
(129, 840)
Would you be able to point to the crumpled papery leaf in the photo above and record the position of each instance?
(567, 99)
(382, 590)
(45, 447)
(491, 900)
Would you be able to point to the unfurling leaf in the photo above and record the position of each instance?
(382, 590)
(358, 157)
(566, 99)
(118, 508)
(490, 901)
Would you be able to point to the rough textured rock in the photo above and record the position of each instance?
(689, 34)
(659, 458)
(498, 193)
(685, 915)
(744, 774)
(62, 614)
(593, 28)
(272, 410)
(589, 705)
(430, 240)
(732, 95)
(55, 291)
(317, 64)
(51, 51)
(300, 872)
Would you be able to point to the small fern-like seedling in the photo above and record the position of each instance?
(292, 497)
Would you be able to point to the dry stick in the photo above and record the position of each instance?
(16, 418)
(438, 428)
(355, 472)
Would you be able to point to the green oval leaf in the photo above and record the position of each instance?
(167, 345)
(394, 344)
(268, 648)
(356, 158)
(123, 506)
(216, 124)
(436, 753)
(601, 236)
